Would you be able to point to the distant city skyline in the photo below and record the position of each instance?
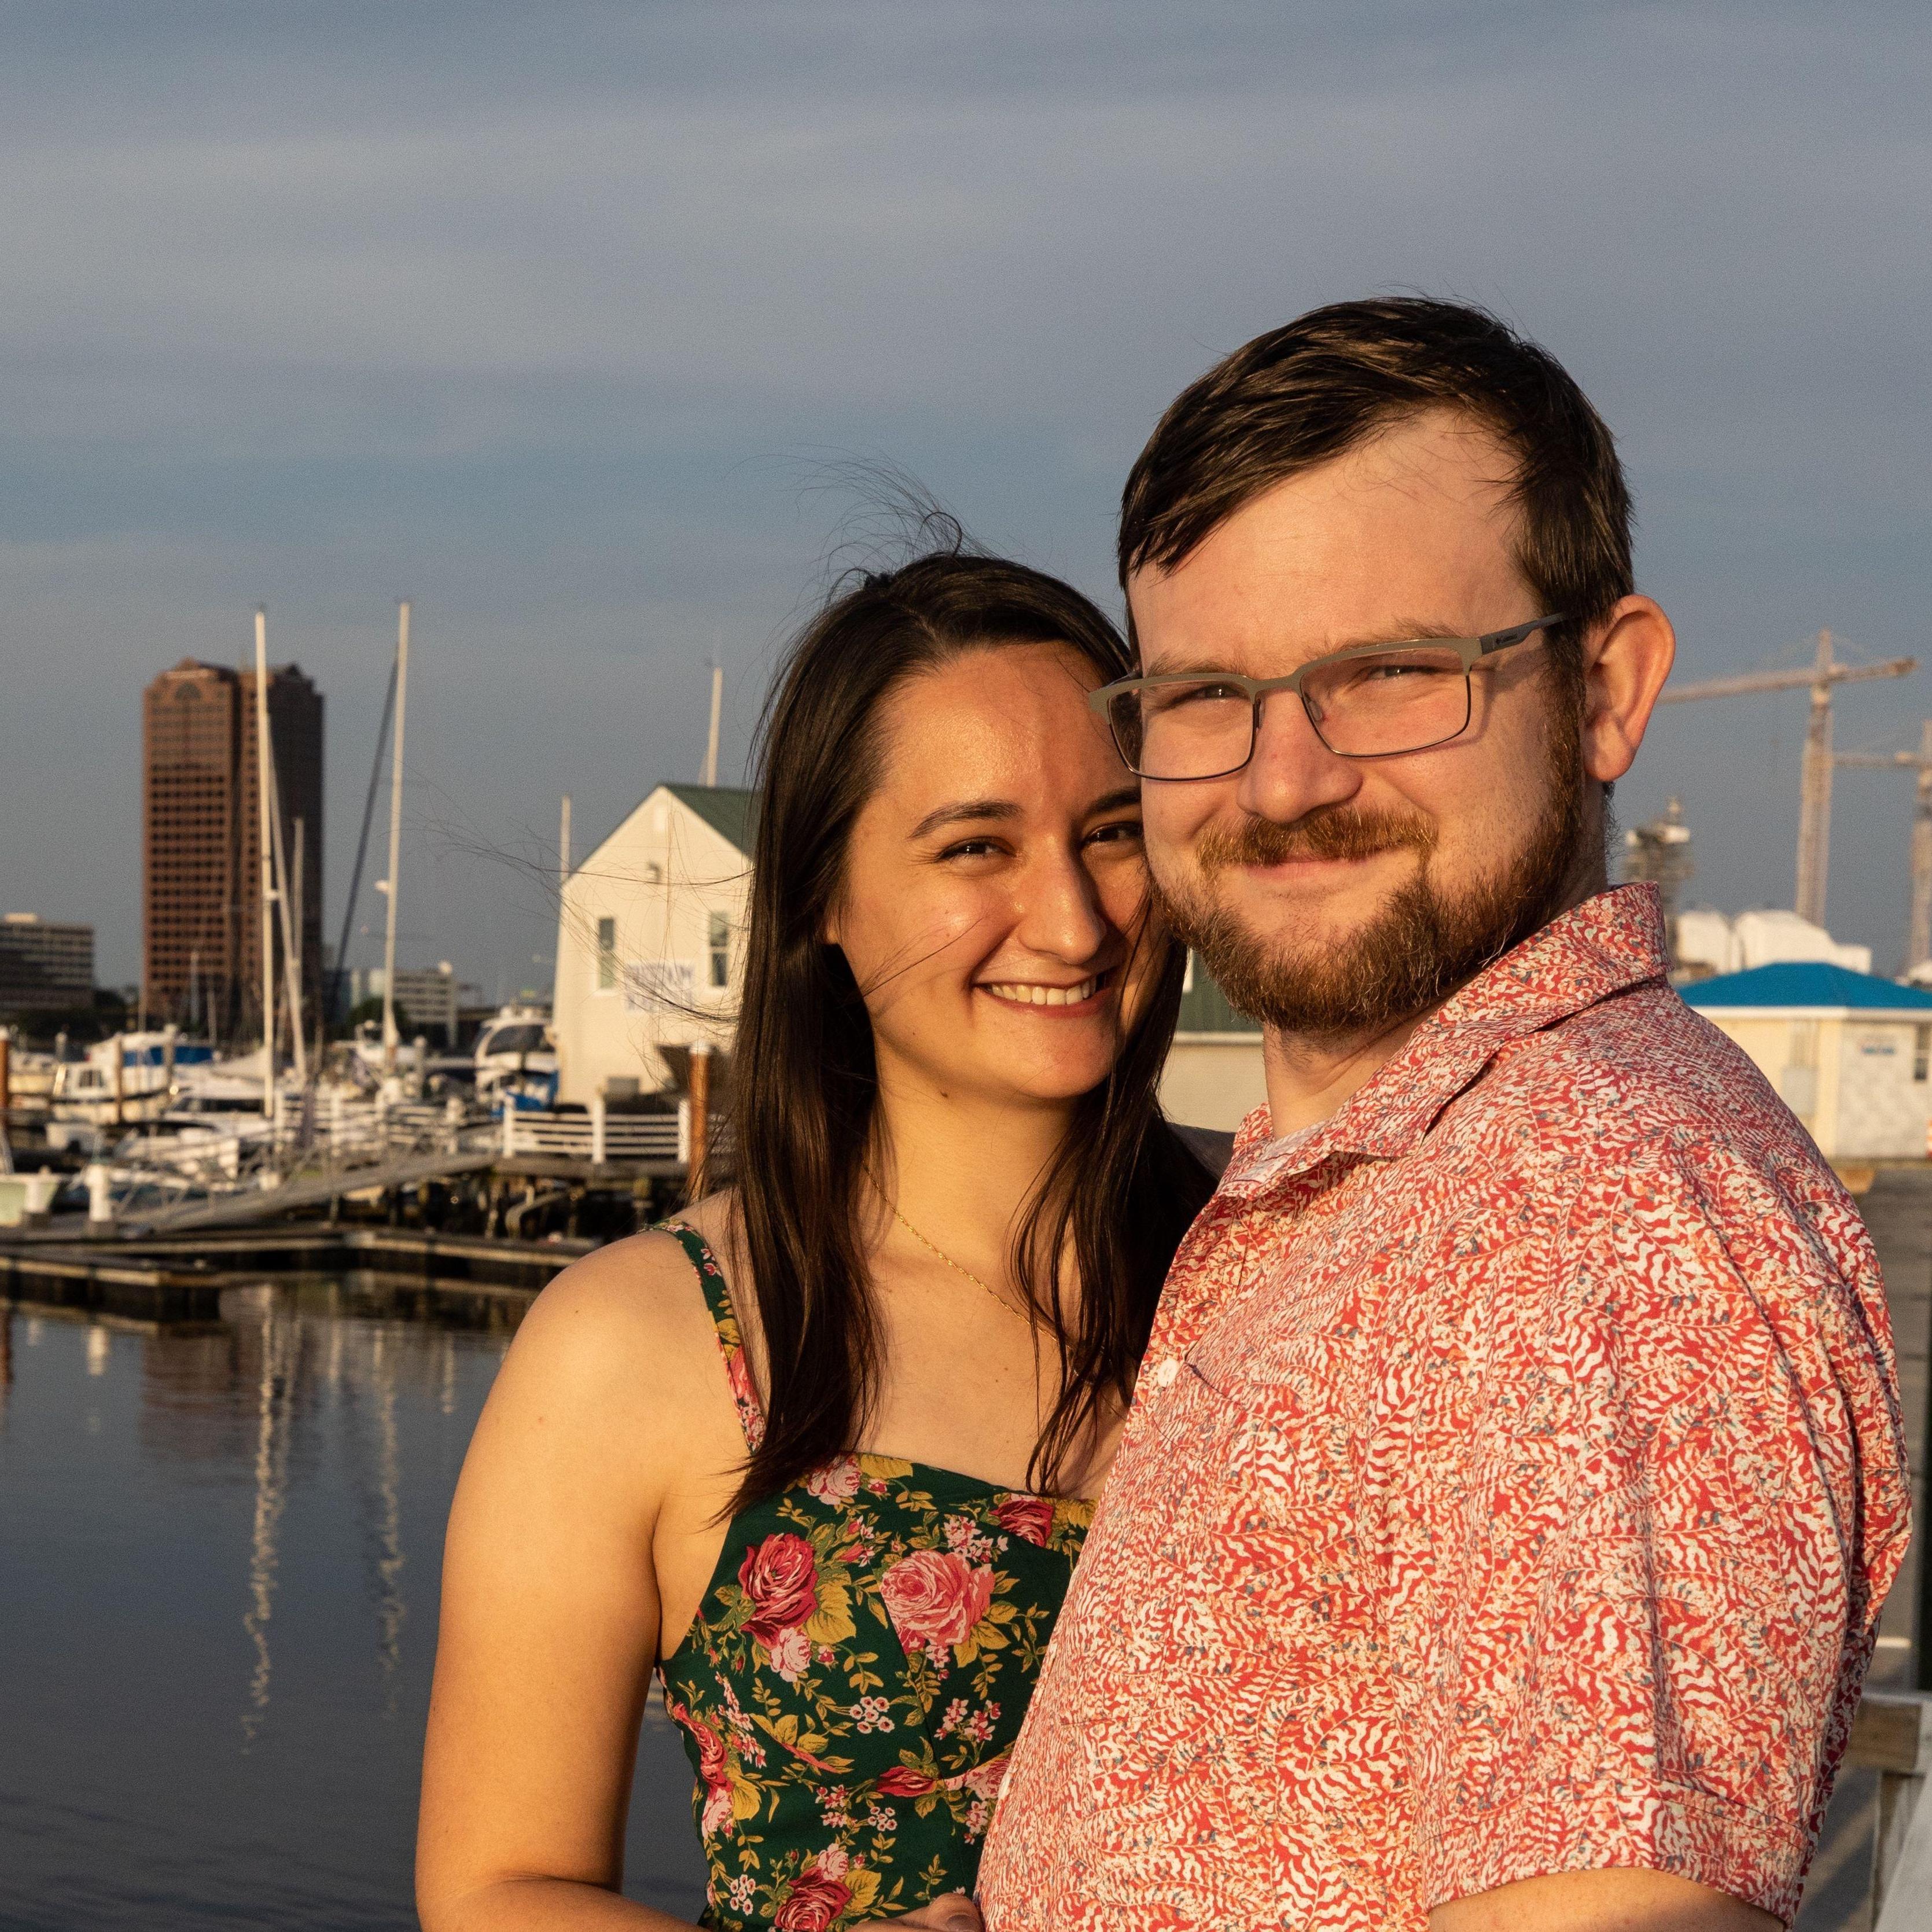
(562, 331)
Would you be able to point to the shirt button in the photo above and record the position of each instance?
(1169, 1373)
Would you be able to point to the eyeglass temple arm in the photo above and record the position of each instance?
(1501, 640)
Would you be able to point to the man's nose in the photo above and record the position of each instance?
(1291, 772)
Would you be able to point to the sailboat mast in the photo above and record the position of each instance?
(288, 898)
(266, 867)
(389, 1034)
(711, 738)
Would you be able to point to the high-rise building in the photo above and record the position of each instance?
(45, 967)
(202, 905)
(190, 735)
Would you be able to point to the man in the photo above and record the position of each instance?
(1515, 1474)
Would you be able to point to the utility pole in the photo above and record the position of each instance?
(563, 847)
(1814, 806)
(390, 1036)
(1918, 933)
(1814, 811)
(717, 709)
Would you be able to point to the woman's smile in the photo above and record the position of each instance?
(1063, 1002)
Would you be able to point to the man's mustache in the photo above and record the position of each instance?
(1333, 832)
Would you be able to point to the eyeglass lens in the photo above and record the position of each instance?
(1380, 705)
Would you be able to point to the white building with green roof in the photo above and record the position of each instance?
(649, 943)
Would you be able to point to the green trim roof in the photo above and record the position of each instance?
(1204, 1007)
(727, 809)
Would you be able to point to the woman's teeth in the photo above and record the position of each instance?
(1047, 996)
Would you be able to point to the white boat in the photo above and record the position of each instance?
(30, 1077)
(133, 1075)
(516, 1060)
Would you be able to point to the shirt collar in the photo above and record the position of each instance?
(1612, 942)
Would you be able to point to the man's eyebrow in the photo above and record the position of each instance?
(961, 814)
(1405, 630)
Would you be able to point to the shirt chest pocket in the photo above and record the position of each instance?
(1176, 1684)
(1296, 1395)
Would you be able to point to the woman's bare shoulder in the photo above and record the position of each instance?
(624, 1333)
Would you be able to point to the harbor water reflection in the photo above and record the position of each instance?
(218, 1614)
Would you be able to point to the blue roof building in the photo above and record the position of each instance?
(1809, 984)
(1851, 1054)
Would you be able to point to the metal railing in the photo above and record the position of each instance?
(340, 1144)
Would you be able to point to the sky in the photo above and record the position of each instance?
(565, 322)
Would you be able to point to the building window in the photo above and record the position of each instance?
(607, 955)
(720, 949)
(1922, 1051)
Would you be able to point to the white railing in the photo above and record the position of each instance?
(599, 1136)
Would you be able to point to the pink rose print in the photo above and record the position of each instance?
(902, 1781)
(790, 1654)
(934, 1599)
(712, 1770)
(781, 1577)
(814, 1900)
(836, 1483)
(1029, 1517)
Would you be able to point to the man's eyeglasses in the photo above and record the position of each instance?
(1374, 701)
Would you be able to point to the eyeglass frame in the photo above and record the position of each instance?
(1472, 651)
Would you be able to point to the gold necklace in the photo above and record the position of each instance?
(958, 1267)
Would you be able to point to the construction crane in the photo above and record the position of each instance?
(1918, 934)
(1814, 811)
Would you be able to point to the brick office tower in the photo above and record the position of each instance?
(201, 906)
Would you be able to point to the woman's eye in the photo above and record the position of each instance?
(1127, 831)
(970, 848)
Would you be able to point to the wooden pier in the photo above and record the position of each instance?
(176, 1278)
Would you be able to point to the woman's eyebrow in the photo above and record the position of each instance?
(1127, 795)
(972, 808)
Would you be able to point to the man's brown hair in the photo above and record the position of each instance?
(1328, 381)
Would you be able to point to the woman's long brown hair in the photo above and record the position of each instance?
(1124, 1187)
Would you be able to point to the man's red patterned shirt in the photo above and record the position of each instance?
(1513, 1482)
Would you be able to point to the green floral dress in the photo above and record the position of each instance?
(855, 1676)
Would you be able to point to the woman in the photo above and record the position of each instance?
(824, 1451)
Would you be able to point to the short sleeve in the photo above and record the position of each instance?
(1683, 1500)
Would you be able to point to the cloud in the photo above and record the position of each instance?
(515, 307)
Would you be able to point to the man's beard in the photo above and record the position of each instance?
(1411, 954)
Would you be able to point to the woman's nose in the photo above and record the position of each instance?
(1060, 913)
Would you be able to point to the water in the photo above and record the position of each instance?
(217, 1615)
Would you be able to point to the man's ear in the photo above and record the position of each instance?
(1626, 659)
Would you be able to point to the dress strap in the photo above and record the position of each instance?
(724, 1320)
